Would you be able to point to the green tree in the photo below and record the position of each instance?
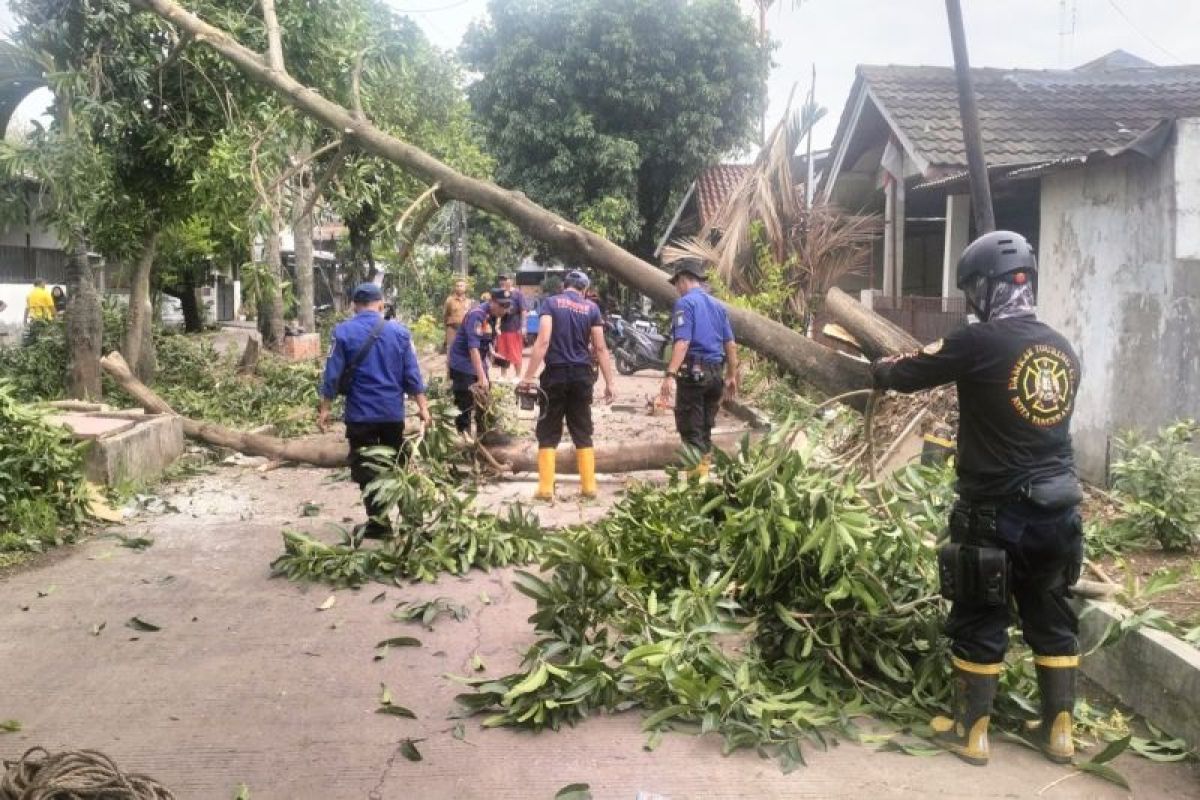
(605, 110)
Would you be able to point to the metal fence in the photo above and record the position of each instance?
(926, 318)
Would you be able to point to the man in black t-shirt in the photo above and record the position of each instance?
(1015, 531)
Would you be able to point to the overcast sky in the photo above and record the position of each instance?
(835, 35)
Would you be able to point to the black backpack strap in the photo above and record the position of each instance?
(346, 379)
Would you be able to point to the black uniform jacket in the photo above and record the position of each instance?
(1017, 379)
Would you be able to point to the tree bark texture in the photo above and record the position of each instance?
(416, 227)
(821, 367)
(877, 336)
(85, 325)
(138, 345)
(270, 303)
(331, 452)
(302, 229)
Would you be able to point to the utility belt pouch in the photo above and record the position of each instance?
(1055, 493)
(973, 575)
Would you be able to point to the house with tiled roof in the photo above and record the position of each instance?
(707, 194)
(1098, 166)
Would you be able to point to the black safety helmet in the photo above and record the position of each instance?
(687, 266)
(999, 256)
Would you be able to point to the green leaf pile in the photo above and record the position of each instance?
(438, 529)
(772, 605)
(41, 477)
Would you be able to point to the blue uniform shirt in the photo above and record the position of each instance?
(573, 317)
(512, 320)
(700, 320)
(476, 331)
(387, 373)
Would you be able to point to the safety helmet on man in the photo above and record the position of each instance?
(996, 256)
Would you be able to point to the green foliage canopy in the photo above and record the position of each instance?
(605, 110)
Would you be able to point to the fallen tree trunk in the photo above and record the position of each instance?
(822, 368)
(333, 452)
(876, 336)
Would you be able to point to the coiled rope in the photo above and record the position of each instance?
(74, 775)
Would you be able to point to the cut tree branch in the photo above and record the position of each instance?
(824, 369)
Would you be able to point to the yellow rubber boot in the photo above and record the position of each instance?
(585, 459)
(545, 490)
(703, 468)
(1054, 734)
(966, 735)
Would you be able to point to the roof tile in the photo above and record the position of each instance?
(1033, 115)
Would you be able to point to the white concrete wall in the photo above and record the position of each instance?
(1112, 283)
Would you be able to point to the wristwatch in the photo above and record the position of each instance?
(670, 374)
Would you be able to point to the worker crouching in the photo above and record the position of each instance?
(1015, 532)
(570, 327)
(468, 360)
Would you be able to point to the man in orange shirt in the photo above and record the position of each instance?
(457, 306)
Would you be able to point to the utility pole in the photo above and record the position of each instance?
(981, 192)
(764, 47)
(812, 109)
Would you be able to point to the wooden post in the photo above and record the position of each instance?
(981, 192)
(958, 234)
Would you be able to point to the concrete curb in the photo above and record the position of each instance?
(1154, 673)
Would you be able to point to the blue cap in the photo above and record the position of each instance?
(503, 296)
(577, 279)
(367, 293)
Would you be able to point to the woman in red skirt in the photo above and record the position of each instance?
(510, 344)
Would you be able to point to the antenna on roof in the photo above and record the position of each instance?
(1066, 30)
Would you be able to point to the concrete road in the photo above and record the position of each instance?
(247, 682)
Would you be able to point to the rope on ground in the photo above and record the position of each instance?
(74, 775)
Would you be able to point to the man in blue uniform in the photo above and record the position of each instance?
(373, 363)
(1015, 532)
(703, 362)
(468, 359)
(570, 327)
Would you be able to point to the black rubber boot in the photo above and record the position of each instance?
(1056, 682)
(967, 734)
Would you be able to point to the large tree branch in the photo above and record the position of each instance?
(419, 224)
(322, 183)
(821, 367)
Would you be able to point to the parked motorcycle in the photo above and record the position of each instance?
(641, 349)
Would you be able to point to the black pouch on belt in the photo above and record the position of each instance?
(1056, 492)
(970, 570)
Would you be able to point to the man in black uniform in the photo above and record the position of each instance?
(570, 327)
(1015, 530)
